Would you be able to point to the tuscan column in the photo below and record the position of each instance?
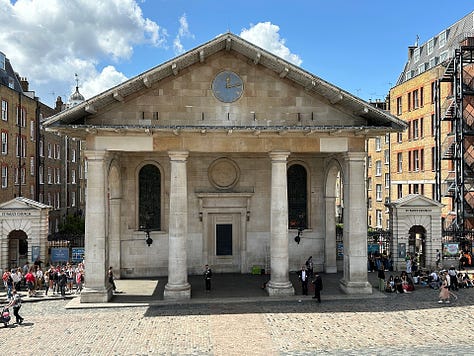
(96, 290)
(115, 202)
(279, 283)
(330, 265)
(354, 280)
(178, 286)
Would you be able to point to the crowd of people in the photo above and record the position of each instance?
(60, 279)
(446, 281)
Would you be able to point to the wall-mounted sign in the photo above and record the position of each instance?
(77, 254)
(373, 248)
(450, 249)
(15, 213)
(402, 250)
(35, 253)
(59, 254)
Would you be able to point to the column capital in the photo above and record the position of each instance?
(355, 156)
(91, 155)
(178, 155)
(279, 155)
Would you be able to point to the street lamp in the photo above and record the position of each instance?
(148, 239)
(298, 237)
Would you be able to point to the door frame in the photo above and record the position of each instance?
(217, 208)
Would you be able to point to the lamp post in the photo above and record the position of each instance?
(298, 237)
(301, 226)
(148, 240)
(147, 229)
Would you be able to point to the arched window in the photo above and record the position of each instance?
(297, 197)
(149, 198)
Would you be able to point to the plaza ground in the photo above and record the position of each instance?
(379, 324)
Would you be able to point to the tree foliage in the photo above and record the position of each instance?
(72, 225)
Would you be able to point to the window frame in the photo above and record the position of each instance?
(4, 108)
(296, 218)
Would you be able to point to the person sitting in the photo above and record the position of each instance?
(407, 283)
(434, 280)
(398, 284)
(390, 285)
(464, 281)
(423, 279)
(416, 277)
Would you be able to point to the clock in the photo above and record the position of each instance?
(227, 86)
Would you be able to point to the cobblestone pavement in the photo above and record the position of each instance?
(396, 324)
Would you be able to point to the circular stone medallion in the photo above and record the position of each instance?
(223, 173)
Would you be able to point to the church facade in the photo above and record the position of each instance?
(221, 156)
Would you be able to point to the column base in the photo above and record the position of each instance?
(355, 287)
(280, 288)
(174, 292)
(96, 295)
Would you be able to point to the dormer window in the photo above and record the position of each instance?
(416, 54)
(430, 46)
(442, 39)
(2, 61)
(421, 68)
(443, 56)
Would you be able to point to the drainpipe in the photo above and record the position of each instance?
(20, 145)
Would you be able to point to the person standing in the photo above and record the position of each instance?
(381, 277)
(30, 282)
(309, 266)
(408, 262)
(453, 274)
(16, 304)
(46, 282)
(438, 258)
(318, 286)
(303, 275)
(207, 277)
(9, 285)
(62, 281)
(110, 275)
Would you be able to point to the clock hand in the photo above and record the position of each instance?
(234, 85)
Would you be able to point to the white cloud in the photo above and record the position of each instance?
(265, 35)
(50, 40)
(108, 78)
(183, 32)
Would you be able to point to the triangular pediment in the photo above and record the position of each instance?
(415, 201)
(22, 203)
(181, 94)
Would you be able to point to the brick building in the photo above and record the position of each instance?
(35, 164)
(434, 157)
(406, 162)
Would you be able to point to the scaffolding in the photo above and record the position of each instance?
(457, 108)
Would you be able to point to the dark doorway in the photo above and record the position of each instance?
(223, 239)
(417, 244)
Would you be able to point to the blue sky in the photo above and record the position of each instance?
(360, 46)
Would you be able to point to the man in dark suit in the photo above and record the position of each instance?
(207, 277)
(304, 276)
(318, 286)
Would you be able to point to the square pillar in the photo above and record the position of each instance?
(355, 279)
(96, 288)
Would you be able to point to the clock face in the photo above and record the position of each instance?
(227, 86)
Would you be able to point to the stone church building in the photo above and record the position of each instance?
(220, 156)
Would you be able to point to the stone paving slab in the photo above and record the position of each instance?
(380, 324)
(406, 324)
